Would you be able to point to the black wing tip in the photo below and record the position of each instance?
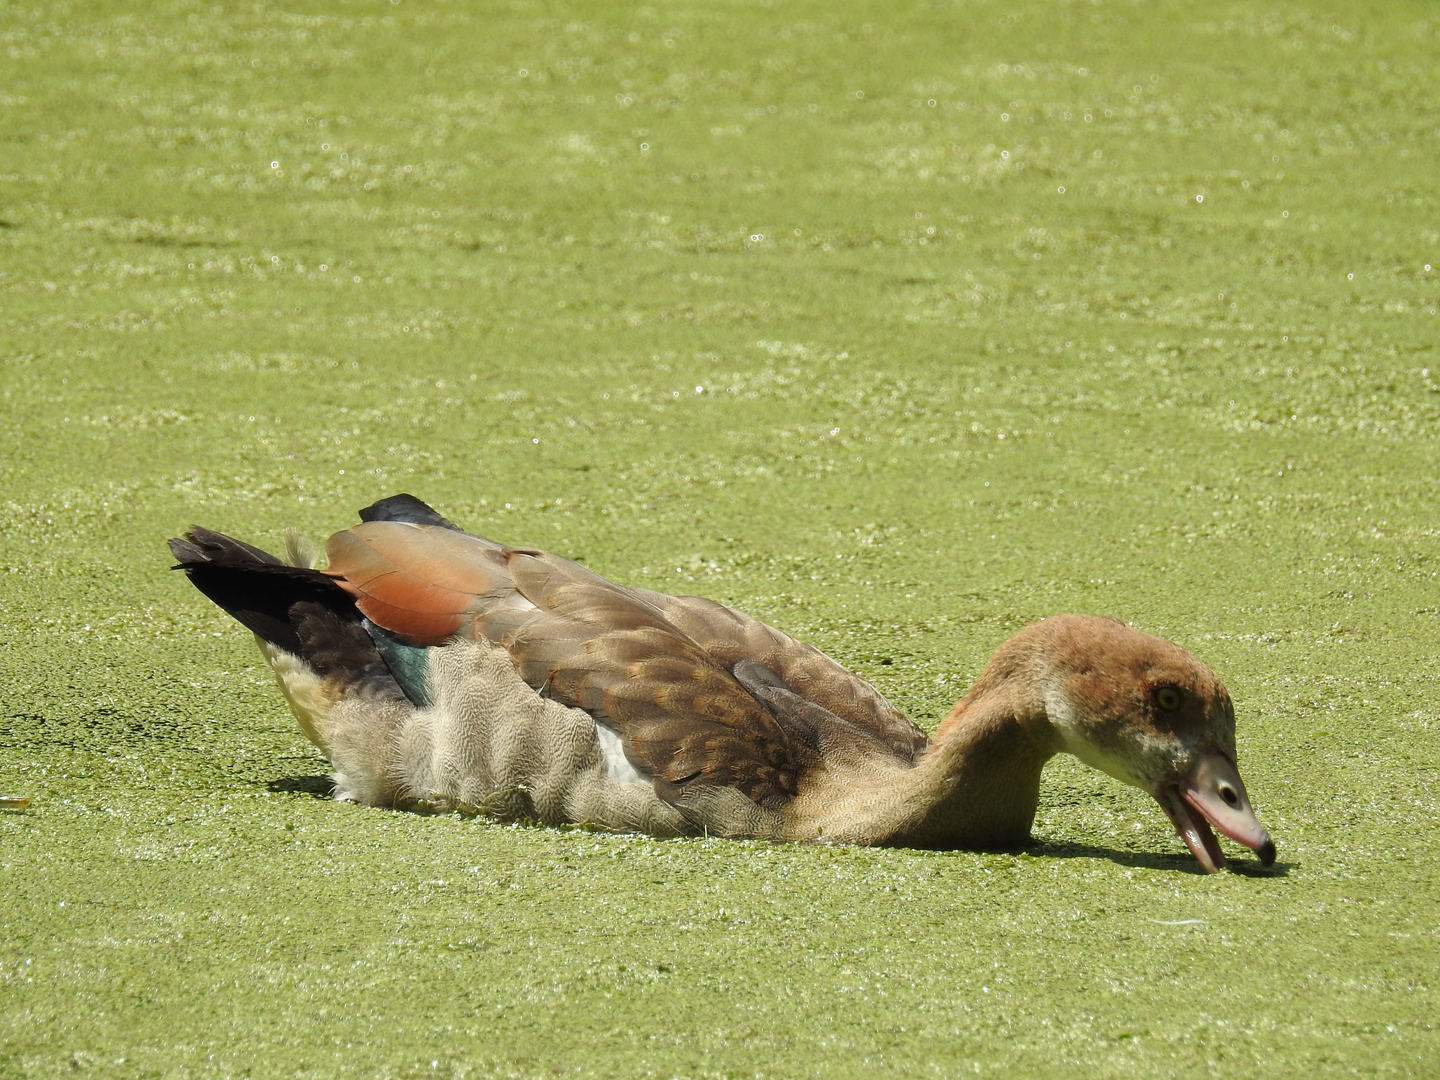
(406, 508)
(184, 552)
(192, 547)
(255, 588)
(199, 546)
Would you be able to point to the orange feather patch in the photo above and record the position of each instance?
(421, 582)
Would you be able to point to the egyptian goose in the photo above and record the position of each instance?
(439, 670)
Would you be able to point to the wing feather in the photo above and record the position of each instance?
(422, 582)
(660, 669)
(732, 637)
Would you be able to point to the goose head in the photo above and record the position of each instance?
(1148, 713)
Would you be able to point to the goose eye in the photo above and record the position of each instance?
(1168, 698)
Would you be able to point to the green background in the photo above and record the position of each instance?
(898, 326)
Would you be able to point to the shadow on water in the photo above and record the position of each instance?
(1146, 860)
(323, 787)
(318, 787)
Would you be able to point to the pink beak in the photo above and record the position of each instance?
(1214, 794)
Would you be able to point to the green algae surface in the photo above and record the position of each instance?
(897, 325)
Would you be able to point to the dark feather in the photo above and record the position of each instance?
(339, 647)
(820, 729)
(302, 611)
(407, 663)
(406, 508)
(732, 637)
(255, 587)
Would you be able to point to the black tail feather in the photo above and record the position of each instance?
(207, 546)
(301, 610)
(255, 587)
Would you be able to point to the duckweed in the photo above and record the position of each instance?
(898, 327)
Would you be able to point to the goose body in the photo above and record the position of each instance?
(440, 670)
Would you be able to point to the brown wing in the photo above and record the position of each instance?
(575, 636)
(731, 636)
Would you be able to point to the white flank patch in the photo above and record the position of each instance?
(617, 765)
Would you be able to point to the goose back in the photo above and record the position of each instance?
(661, 670)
